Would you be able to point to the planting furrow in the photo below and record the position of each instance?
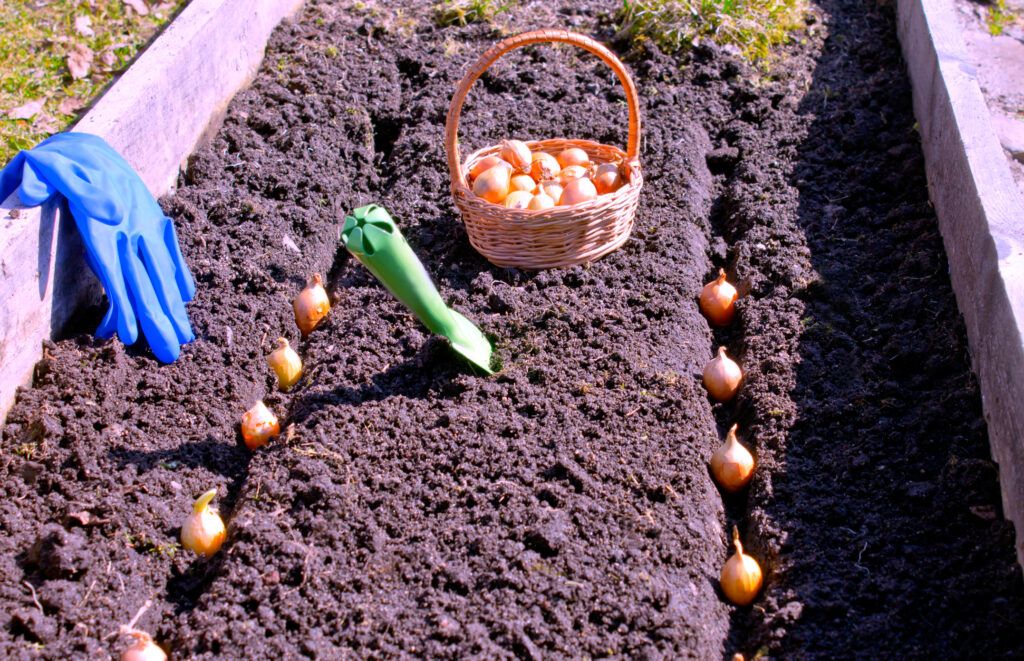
(876, 499)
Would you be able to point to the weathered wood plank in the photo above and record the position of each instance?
(981, 218)
(156, 114)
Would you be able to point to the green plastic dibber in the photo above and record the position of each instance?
(372, 236)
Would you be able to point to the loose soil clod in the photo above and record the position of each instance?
(562, 508)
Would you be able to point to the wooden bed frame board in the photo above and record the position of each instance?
(981, 218)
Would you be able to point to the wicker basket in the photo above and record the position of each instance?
(562, 235)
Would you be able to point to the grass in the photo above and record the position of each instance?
(464, 12)
(753, 27)
(35, 41)
(999, 16)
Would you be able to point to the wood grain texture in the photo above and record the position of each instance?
(171, 98)
(981, 218)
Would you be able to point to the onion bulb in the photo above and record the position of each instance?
(573, 156)
(286, 364)
(552, 188)
(518, 199)
(259, 425)
(516, 153)
(541, 201)
(732, 464)
(143, 649)
(522, 182)
(544, 166)
(722, 376)
(572, 172)
(493, 183)
(484, 164)
(741, 578)
(608, 179)
(718, 300)
(311, 305)
(577, 191)
(203, 531)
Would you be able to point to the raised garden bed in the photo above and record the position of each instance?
(562, 508)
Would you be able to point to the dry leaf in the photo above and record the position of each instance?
(83, 26)
(79, 61)
(108, 58)
(45, 123)
(26, 110)
(139, 6)
(70, 105)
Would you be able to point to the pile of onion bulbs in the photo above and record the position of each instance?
(520, 179)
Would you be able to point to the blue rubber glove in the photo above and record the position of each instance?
(129, 242)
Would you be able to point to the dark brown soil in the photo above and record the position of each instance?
(561, 508)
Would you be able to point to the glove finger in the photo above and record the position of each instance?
(119, 313)
(182, 274)
(159, 265)
(108, 326)
(155, 325)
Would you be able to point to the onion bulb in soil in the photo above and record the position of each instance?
(732, 464)
(517, 154)
(544, 166)
(573, 156)
(722, 376)
(311, 305)
(483, 165)
(608, 179)
(259, 425)
(522, 182)
(572, 172)
(578, 191)
(143, 649)
(203, 531)
(492, 184)
(741, 578)
(718, 300)
(518, 199)
(286, 364)
(541, 201)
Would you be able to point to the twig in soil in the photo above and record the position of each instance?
(861, 555)
(305, 568)
(130, 627)
(35, 597)
(87, 593)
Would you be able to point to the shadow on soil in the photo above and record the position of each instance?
(887, 502)
(427, 374)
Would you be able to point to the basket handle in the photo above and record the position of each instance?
(451, 129)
